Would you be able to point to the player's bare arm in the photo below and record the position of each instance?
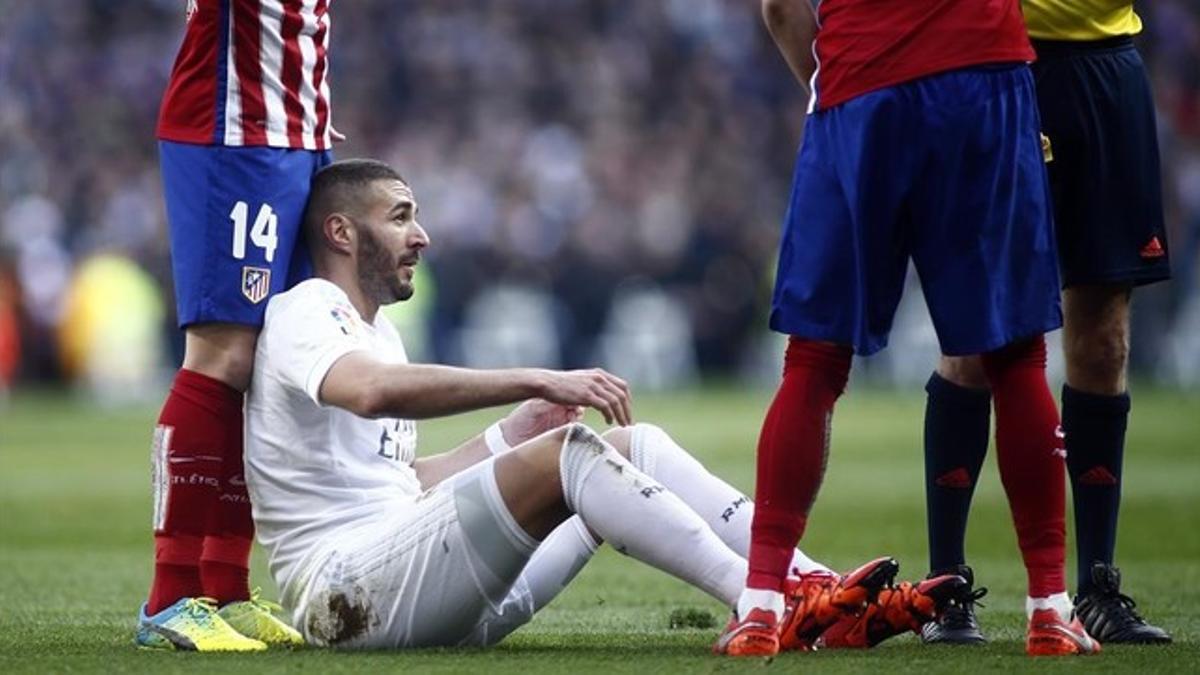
(792, 26)
(370, 388)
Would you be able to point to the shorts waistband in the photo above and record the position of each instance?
(1062, 48)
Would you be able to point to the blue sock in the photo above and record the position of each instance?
(957, 420)
(1095, 443)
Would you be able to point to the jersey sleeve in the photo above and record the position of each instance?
(308, 334)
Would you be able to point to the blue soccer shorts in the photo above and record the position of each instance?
(947, 171)
(234, 216)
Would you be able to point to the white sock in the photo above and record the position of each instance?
(1059, 602)
(802, 564)
(726, 510)
(557, 560)
(642, 518)
(772, 601)
(560, 556)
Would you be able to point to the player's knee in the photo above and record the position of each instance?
(235, 369)
(1101, 357)
(239, 368)
(221, 351)
(581, 449)
(831, 360)
(549, 453)
(621, 438)
(964, 371)
(645, 443)
(577, 437)
(1023, 354)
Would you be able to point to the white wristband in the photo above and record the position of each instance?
(493, 436)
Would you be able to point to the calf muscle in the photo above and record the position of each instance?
(1096, 337)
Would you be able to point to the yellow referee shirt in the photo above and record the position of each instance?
(1080, 19)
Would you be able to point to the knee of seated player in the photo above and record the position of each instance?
(530, 482)
(642, 444)
(542, 455)
(964, 371)
(221, 351)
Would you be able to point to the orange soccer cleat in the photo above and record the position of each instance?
(817, 601)
(895, 610)
(1049, 635)
(755, 635)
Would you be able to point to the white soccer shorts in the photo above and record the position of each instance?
(456, 569)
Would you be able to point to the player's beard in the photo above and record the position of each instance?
(379, 271)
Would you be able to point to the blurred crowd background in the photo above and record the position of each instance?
(603, 183)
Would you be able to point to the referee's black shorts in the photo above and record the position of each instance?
(1097, 110)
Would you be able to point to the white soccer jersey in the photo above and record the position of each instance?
(312, 469)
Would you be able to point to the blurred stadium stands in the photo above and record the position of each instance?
(602, 181)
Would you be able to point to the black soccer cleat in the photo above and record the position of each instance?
(957, 624)
(1109, 615)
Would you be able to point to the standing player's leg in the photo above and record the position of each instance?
(224, 353)
(957, 426)
(234, 217)
(1095, 413)
(1030, 455)
(792, 452)
(984, 249)
(1096, 404)
(1098, 112)
(842, 262)
(199, 419)
(193, 429)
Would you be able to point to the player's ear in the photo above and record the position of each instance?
(339, 232)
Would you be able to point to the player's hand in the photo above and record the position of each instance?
(336, 136)
(535, 416)
(593, 388)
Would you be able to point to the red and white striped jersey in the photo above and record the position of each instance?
(251, 72)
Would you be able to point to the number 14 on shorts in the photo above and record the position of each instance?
(261, 234)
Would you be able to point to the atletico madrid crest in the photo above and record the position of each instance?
(256, 283)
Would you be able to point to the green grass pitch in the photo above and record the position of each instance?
(75, 548)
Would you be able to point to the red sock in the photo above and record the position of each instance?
(188, 453)
(225, 562)
(1029, 452)
(792, 449)
(176, 573)
(225, 569)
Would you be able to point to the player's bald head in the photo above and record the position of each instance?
(345, 186)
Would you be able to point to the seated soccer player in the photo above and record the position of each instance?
(373, 547)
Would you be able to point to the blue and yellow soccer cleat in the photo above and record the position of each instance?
(192, 624)
(253, 618)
